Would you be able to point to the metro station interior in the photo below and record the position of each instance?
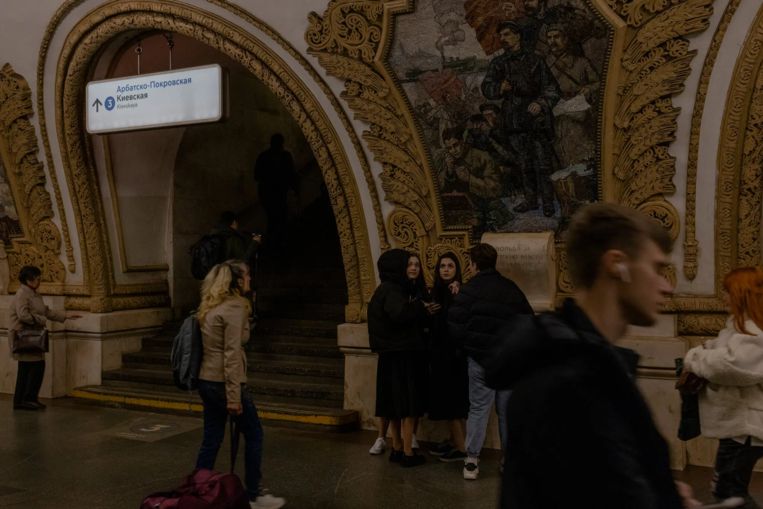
(367, 95)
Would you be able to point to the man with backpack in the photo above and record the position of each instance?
(225, 242)
(236, 244)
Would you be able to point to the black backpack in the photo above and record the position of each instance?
(206, 253)
(185, 357)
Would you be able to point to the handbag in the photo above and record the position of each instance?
(689, 385)
(30, 341)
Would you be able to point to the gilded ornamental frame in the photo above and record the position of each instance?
(649, 62)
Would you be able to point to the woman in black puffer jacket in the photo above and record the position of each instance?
(395, 329)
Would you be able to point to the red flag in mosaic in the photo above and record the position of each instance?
(442, 86)
(484, 16)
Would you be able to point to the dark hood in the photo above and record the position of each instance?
(527, 343)
(392, 266)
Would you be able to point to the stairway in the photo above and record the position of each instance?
(296, 371)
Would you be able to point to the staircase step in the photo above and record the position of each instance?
(258, 363)
(276, 384)
(308, 341)
(160, 375)
(292, 346)
(297, 327)
(314, 391)
(334, 312)
(267, 326)
(273, 410)
(297, 348)
(290, 367)
(145, 375)
(307, 369)
(154, 357)
(280, 293)
(172, 391)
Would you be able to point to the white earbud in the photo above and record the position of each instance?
(625, 275)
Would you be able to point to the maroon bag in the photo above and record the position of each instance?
(205, 489)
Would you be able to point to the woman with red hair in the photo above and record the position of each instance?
(731, 405)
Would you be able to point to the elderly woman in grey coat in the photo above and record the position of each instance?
(29, 310)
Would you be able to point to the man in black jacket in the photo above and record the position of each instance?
(485, 302)
(580, 434)
(236, 244)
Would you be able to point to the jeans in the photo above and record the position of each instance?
(481, 399)
(733, 468)
(216, 417)
(28, 381)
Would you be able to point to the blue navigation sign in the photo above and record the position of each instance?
(182, 96)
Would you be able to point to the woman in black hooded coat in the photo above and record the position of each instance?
(395, 329)
(448, 380)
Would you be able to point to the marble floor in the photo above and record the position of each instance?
(75, 455)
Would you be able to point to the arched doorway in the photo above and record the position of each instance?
(91, 51)
(167, 187)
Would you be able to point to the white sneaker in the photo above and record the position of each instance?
(267, 501)
(379, 446)
(414, 442)
(471, 469)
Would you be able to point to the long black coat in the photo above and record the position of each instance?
(580, 434)
(394, 321)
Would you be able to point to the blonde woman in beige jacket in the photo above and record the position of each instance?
(224, 320)
(29, 310)
(731, 405)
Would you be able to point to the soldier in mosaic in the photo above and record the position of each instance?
(528, 91)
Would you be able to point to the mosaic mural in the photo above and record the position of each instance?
(507, 97)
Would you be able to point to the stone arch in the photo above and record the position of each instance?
(80, 50)
(739, 190)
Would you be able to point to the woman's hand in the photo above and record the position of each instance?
(234, 408)
(454, 287)
(432, 307)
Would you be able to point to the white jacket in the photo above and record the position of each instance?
(731, 405)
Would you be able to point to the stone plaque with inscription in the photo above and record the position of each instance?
(529, 260)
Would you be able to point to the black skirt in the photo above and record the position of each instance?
(401, 384)
(448, 386)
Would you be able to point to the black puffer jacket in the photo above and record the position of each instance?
(485, 304)
(580, 434)
(395, 321)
